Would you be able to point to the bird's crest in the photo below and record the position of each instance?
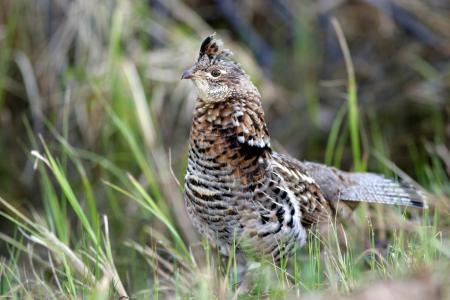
(212, 50)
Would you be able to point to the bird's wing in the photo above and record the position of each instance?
(313, 206)
(338, 185)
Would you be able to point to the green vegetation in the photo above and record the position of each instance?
(93, 124)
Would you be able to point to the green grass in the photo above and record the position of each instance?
(352, 100)
(83, 263)
(108, 217)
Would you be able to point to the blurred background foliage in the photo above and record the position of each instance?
(105, 76)
(56, 55)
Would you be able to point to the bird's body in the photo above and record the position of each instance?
(239, 191)
(234, 190)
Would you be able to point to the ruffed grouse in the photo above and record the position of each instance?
(238, 189)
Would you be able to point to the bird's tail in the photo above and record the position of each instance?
(337, 185)
(373, 188)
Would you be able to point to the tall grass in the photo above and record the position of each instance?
(352, 102)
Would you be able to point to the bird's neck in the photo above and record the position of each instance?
(238, 119)
(231, 134)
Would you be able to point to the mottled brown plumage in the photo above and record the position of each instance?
(238, 190)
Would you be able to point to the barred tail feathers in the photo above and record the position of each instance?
(373, 188)
(337, 185)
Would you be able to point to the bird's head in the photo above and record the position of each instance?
(216, 76)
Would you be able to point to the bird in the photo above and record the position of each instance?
(239, 192)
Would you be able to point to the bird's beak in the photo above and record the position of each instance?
(188, 74)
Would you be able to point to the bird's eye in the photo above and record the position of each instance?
(215, 73)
